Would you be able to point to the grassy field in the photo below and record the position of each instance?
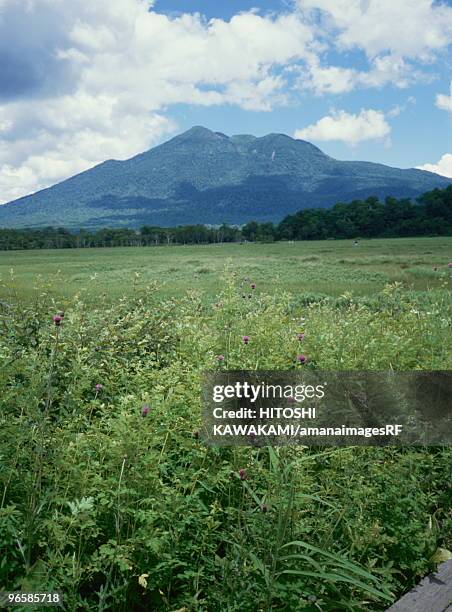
(107, 492)
(329, 267)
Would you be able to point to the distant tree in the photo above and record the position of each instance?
(249, 230)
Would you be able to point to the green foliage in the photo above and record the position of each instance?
(371, 218)
(125, 510)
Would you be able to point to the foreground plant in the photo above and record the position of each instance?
(108, 494)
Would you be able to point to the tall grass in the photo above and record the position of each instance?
(122, 509)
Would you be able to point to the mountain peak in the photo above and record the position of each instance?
(198, 129)
(198, 132)
(277, 136)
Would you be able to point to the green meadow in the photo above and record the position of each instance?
(330, 267)
(109, 496)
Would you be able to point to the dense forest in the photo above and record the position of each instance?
(430, 215)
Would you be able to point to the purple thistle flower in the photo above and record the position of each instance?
(57, 320)
(302, 358)
(145, 410)
(449, 265)
(253, 285)
(300, 336)
(264, 508)
(196, 435)
(220, 357)
(99, 387)
(291, 399)
(245, 339)
(243, 475)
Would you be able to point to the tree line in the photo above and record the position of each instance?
(429, 215)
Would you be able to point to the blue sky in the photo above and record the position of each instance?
(82, 82)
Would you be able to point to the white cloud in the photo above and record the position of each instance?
(338, 80)
(402, 28)
(128, 64)
(444, 102)
(367, 125)
(328, 79)
(443, 166)
(398, 109)
(397, 36)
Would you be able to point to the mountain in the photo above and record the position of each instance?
(207, 177)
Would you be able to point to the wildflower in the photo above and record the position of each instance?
(291, 399)
(435, 269)
(61, 314)
(145, 410)
(243, 475)
(246, 339)
(300, 337)
(220, 357)
(449, 265)
(142, 580)
(302, 358)
(196, 435)
(99, 387)
(264, 508)
(57, 319)
(253, 285)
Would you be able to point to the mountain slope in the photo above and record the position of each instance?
(202, 176)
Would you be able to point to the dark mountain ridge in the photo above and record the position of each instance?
(202, 176)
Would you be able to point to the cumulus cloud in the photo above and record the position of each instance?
(97, 77)
(349, 128)
(397, 37)
(29, 64)
(444, 102)
(338, 80)
(443, 166)
(401, 28)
